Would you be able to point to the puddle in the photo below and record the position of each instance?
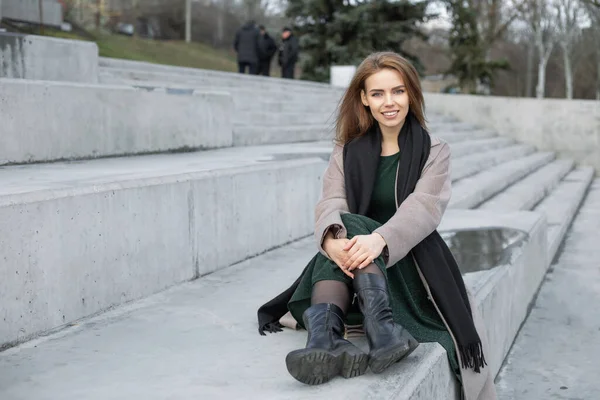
(479, 250)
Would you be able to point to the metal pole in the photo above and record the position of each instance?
(188, 21)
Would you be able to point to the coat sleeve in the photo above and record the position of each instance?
(333, 201)
(421, 213)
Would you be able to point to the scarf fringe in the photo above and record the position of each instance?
(270, 327)
(471, 356)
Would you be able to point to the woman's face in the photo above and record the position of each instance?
(386, 96)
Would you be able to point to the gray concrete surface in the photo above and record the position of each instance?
(199, 340)
(45, 121)
(90, 198)
(48, 59)
(475, 189)
(562, 203)
(571, 128)
(554, 355)
(529, 191)
(121, 67)
(69, 252)
(29, 11)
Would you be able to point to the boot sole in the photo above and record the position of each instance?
(317, 366)
(378, 364)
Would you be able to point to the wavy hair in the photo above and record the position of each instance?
(354, 118)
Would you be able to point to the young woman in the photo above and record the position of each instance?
(384, 193)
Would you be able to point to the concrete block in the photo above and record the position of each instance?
(250, 135)
(48, 59)
(474, 190)
(46, 121)
(503, 294)
(529, 191)
(341, 75)
(571, 128)
(204, 320)
(79, 247)
(479, 145)
(477, 162)
(119, 66)
(29, 11)
(561, 205)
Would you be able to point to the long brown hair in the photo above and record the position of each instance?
(354, 118)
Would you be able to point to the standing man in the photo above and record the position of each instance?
(266, 51)
(246, 47)
(288, 53)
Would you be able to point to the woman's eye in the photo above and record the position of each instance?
(376, 94)
(399, 91)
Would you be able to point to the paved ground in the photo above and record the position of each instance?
(555, 356)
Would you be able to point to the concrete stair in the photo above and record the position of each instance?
(128, 233)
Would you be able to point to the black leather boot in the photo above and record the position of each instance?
(388, 341)
(327, 353)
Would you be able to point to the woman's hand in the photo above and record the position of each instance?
(363, 250)
(335, 250)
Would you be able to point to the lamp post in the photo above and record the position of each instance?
(188, 21)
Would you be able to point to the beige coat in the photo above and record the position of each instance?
(416, 218)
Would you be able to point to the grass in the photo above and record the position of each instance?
(179, 53)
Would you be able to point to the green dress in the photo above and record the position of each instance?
(411, 307)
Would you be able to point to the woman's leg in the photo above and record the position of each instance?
(388, 341)
(330, 291)
(327, 353)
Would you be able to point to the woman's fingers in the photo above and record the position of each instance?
(358, 260)
(350, 243)
(366, 263)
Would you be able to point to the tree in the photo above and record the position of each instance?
(594, 15)
(537, 14)
(471, 62)
(342, 32)
(567, 18)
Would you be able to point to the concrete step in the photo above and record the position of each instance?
(200, 341)
(250, 135)
(285, 118)
(119, 64)
(479, 145)
(450, 126)
(561, 205)
(206, 80)
(104, 232)
(553, 356)
(526, 193)
(47, 121)
(479, 161)
(472, 191)
(461, 136)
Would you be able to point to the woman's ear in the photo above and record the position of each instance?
(363, 98)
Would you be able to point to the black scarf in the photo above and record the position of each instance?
(361, 158)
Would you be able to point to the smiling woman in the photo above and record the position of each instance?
(384, 193)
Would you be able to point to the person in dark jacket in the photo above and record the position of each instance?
(246, 47)
(288, 53)
(266, 51)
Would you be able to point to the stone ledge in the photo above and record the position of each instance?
(49, 121)
(69, 256)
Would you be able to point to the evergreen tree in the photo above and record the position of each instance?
(340, 32)
(469, 50)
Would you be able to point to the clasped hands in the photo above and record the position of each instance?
(358, 252)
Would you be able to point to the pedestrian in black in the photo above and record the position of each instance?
(288, 53)
(246, 47)
(266, 51)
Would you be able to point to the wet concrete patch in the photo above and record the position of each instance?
(483, 249)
